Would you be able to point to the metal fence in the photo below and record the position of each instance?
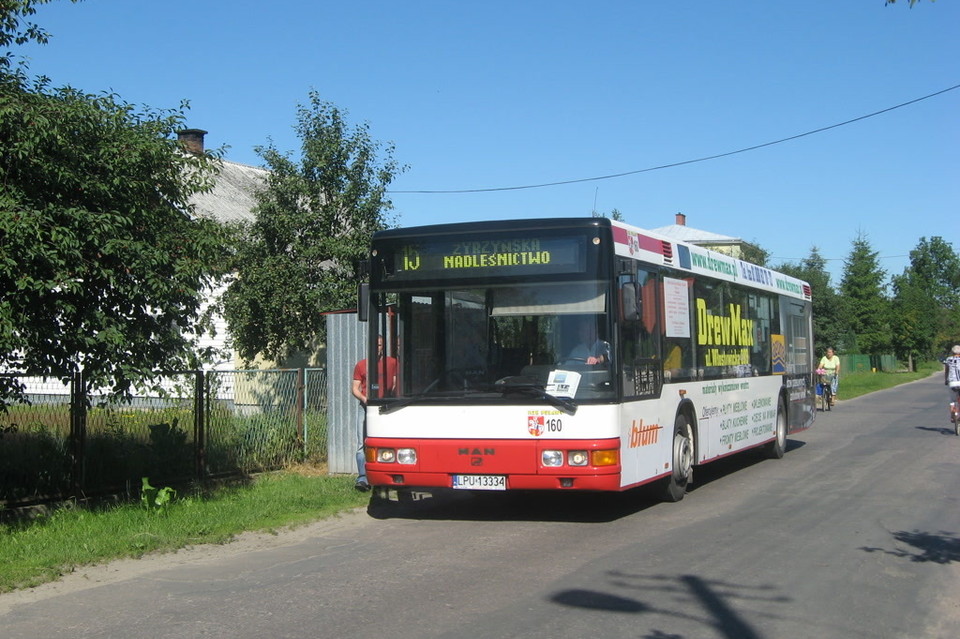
(71, 441)
(868, 363)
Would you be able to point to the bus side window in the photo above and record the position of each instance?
(642, 367)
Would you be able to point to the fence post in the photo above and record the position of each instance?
(199, 422)
(78, 433)
(300, 408)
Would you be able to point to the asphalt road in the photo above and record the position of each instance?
(855, 533)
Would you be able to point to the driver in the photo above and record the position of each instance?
(589, 349)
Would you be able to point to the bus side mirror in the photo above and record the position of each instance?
(629, 302)
(363, 296)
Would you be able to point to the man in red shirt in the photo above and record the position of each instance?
(387, 379)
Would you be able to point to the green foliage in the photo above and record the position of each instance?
(754, 253)
(827, 319)
(313, 224)
(38, 550)
(926, 303)
(97, 240)
(156, 499)
(16, 29)
(864, 304)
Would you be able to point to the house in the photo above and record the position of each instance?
(732, 246)
(233, 199)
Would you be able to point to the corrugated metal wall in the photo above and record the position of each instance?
(346, 345)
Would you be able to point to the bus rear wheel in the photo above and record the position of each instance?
(778, 447)
(681, 474)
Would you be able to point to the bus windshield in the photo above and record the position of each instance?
(474, 341)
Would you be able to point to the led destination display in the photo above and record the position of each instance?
(501, 256)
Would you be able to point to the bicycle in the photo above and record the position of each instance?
(955, 410)
(826, 391)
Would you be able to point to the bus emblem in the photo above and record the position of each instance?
(535, 424)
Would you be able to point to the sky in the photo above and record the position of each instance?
(496, 96)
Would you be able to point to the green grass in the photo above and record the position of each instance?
(42, 549)
(857, 384)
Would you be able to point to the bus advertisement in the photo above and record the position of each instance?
(577, 354)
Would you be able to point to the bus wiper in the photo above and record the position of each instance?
(386, 409)
(523, 384)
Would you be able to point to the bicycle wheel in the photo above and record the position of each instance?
(955, 414)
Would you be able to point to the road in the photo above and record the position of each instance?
(855, 533)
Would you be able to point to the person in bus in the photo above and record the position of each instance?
(387, 377)
(589, 349)
(831, 363)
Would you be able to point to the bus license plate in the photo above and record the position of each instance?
(480, 482)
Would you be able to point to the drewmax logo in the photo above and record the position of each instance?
(641, 435)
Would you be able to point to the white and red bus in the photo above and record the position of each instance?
(577, 354)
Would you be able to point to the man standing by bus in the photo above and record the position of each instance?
(387, 378)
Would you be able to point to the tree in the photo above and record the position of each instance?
(754, 253)
(313, 223)
(911, 319)
(15, 29)
(101, 263)
(926, 302)
(827, 321)
(865, 307)
(615, 214)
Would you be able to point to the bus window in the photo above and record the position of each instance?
(641, 364)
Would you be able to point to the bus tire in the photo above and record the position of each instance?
(778, 447)
(681, 475)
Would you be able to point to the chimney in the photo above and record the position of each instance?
(192, 140)
(681, 218)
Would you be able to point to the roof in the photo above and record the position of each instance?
(233, 196)
(689, 234)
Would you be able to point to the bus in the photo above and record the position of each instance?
(578, 354)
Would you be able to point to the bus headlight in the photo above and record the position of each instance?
(578, 458)
(551, 458)
(406, 456)
(386, 455)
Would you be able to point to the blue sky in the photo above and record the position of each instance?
(514, 93)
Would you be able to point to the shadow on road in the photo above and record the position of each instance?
(939, 548)
(940, 431)
(717, 601)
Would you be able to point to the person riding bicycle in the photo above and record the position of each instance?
(830, 364)
(951, 372)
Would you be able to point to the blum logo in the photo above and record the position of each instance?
(641, 435)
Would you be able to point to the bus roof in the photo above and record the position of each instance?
(633, 242)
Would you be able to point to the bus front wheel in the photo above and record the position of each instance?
(681, 474)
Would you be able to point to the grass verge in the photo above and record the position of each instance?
(42, 549)
(857, 384)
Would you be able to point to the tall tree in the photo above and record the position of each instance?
(101, 264)
(912, 320)
(865, 305)
(313, 223)
(828, 330)
(926, 302)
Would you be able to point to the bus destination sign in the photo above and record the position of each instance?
(500, 256)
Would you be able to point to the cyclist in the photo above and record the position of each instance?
(951, 372)
(830, 363)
